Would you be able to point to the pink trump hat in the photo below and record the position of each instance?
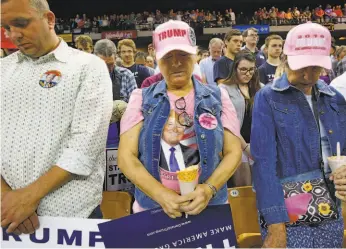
(307, 45)
(174, 35)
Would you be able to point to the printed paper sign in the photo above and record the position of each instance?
(115, 180)
(213, 228)
(57, 232)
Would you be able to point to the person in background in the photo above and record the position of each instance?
(151, 52)
(84, 43)
(251, 39)
(339, 56)
(242, 86)
(7, 46)
(127, 50)
(273, 45)
(123, 82)
(140, 59)
(339, 83)
(288, 144)
(204, 54)
(61, 128)
(216, 46)
(150, 62)
(179, 99)
(222, 67)
(341, 67)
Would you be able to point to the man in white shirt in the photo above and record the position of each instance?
(232, 14)
(53, 135)
(339, 84)
(215, 48)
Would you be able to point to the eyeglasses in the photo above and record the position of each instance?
(244, 70)
(184, 118)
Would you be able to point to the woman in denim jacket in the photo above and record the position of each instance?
(175, 124)
(285, 138)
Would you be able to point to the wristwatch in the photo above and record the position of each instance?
(212, 189)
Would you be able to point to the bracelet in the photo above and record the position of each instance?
(212, 188)
(246, 147)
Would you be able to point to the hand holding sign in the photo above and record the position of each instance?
(16, 207)
(28, 226)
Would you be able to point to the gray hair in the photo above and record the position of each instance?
(216, 40)
(105, 47)
(40, 5)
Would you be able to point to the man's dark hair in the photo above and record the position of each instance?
(231, 33)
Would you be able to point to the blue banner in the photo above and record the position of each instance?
(213, 228)
(262, 29)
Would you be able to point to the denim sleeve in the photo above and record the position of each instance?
(269, 192)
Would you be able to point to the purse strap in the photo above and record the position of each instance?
(315, 99)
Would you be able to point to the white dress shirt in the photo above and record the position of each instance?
(65, 125)
(178, 154)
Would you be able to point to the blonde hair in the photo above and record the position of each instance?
(84, 40)
(127, 42)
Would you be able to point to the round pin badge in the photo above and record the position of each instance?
(50, 79)
(208, 121)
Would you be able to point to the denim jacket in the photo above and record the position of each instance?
(156, 109)
(285, 140)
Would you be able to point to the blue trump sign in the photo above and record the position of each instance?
(262, 29)
(213, 228)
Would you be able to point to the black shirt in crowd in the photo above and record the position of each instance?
(267, 73)
(222, 68)
(140, 72)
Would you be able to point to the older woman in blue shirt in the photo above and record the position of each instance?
(286, 140)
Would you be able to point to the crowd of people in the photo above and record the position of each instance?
(236, 114)
(204, 18)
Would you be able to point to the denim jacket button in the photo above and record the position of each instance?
(322, 112)
(203, 136)
(330, 131)
(205, 161)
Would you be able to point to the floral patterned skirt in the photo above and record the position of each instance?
(327, 235)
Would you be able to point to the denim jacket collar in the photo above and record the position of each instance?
(200, 89)
(282, 84)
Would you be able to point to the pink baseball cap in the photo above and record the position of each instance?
(307, 45)
(174, 35)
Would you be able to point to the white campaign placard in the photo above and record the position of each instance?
(115, 180)
(58, 232)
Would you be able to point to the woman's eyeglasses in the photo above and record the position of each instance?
(184, 118)
(244, 70)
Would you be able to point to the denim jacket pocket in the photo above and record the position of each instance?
(285, 114)
(148, 108)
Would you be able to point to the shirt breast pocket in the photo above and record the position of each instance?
(148, 108)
